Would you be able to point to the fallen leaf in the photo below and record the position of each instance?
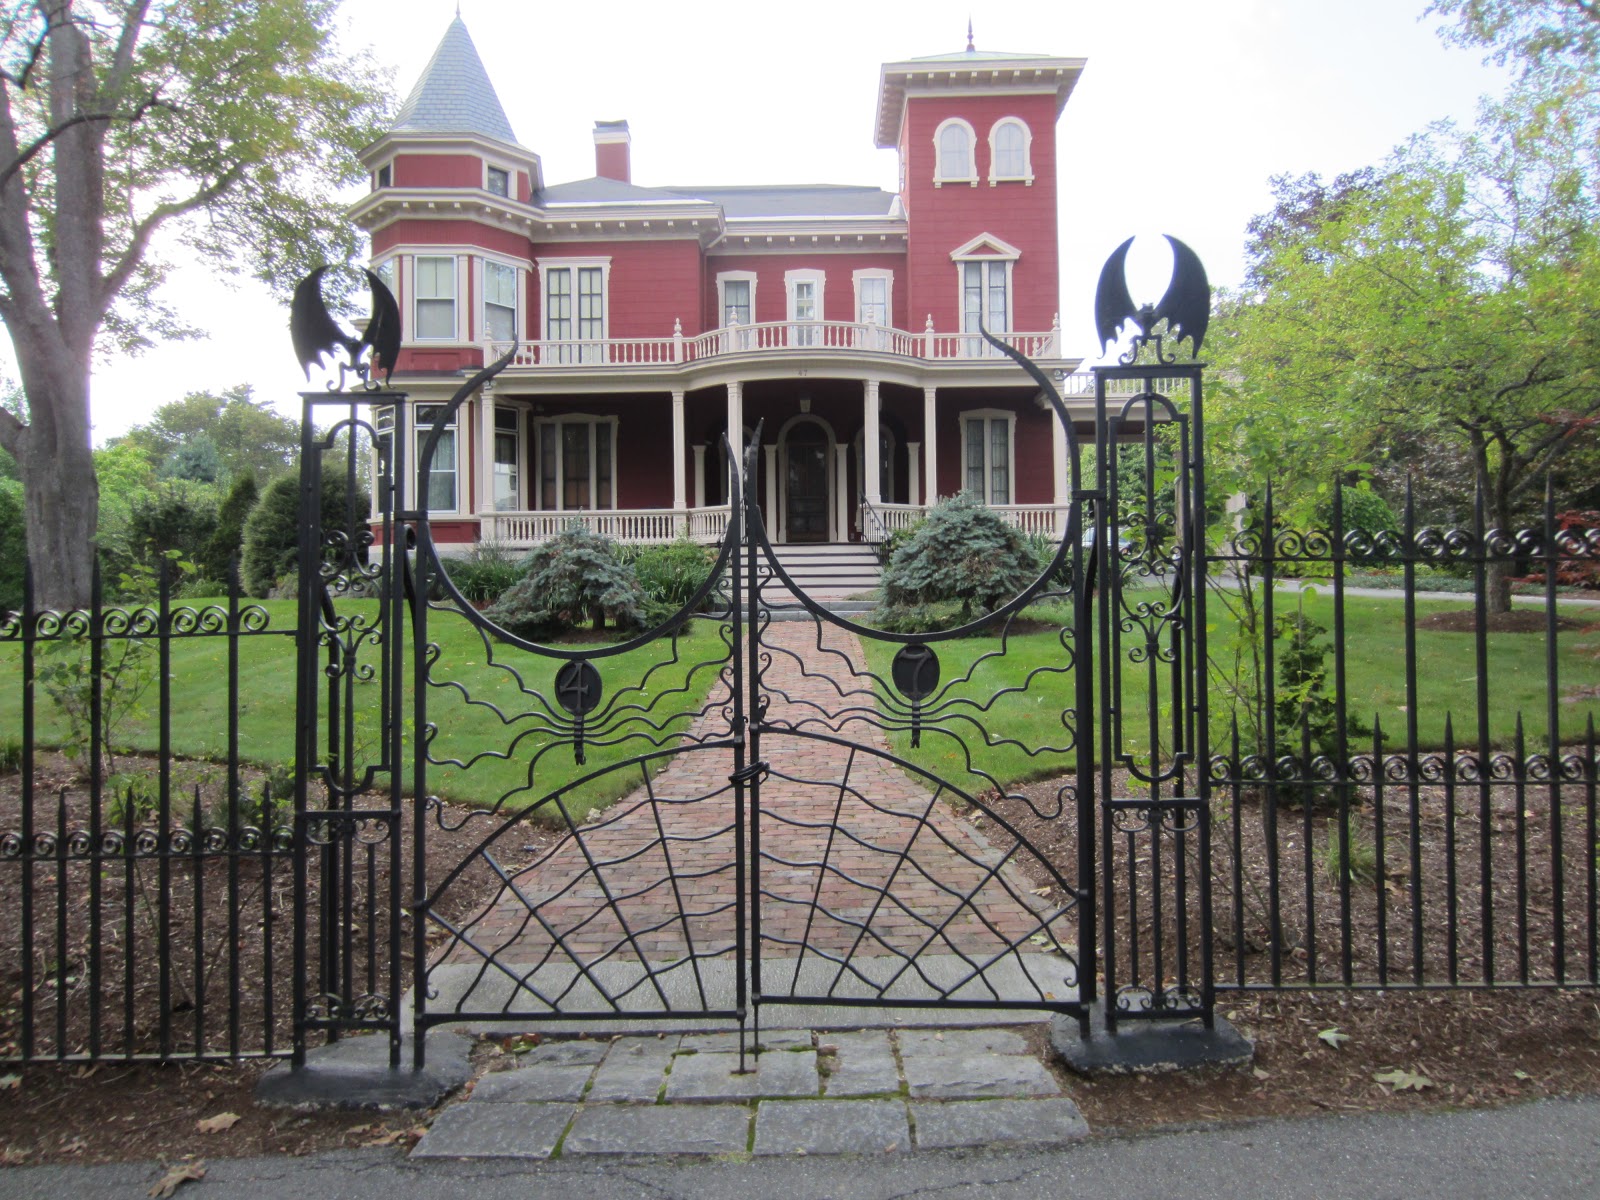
(10, 1083)
(1522, 1075)
(1260, 1074)
(1401, 1080)
(1335, 1037)
(176, 1176)
(220, 1123)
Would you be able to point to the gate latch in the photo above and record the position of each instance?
(749, 774)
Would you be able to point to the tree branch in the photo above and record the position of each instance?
(112, 283)
(11, 431)
(23, 157)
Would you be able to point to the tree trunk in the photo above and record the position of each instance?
(61, 498)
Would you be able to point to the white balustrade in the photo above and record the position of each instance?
(1030, 518)
(643, 525)
(766, 338)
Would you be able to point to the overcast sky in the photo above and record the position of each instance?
(1184, 112)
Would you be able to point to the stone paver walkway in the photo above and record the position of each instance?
(869, 886)
(867, 1092)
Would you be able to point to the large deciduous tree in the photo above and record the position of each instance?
(223, 125)
(248, 437)
(1451, 295)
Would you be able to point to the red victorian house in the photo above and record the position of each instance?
(653, 319)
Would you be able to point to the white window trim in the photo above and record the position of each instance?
(875, 337)
(543, 423)
(723, 279)
(979, 345)
(805, 331)
(986, 415)
(519, 291)
(546, 265)
(418, 436)
(511, 178)
(410, 274)
(971, 177)
(519, 468)
(887, 276)
(1027, 152)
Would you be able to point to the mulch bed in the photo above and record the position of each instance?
(1467, 1048)
(1518, 620)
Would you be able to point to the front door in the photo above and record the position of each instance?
(806, 484)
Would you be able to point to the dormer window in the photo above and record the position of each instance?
(953, 144)
(1010, 144)
(499, 182)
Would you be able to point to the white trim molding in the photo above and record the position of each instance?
(995, 175)
(804, 328)
(989, 416)
(969, 175)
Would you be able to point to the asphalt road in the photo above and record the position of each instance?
(1530, 1152)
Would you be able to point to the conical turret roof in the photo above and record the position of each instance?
(454, 94)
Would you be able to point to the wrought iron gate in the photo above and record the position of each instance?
(769, 805)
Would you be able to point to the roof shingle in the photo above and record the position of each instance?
(454, 94)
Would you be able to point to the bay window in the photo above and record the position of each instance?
(435, 287)
(499, 301)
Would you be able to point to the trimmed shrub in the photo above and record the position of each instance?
(961, 551)
(177, 515)
(485, 572)
(271, 540)
(227, 542)
(671, 574)
(575, 577)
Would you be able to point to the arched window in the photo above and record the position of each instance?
(953, 141)
(1009, 145)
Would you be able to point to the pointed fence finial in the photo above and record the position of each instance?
(969, 35)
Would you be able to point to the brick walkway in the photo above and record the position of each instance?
(856, 861)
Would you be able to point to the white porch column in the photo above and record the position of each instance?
(930, 439)
(736, 420)
(679, 447)
(914, 472)
(770, 514)
(841, 488)
(871, 458)
(699, 475)
(484, 465)
(1058, 457)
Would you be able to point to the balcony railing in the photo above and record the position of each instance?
(773, 337)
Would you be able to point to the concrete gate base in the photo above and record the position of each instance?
(1145, 1047)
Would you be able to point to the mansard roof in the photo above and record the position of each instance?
(454, 94)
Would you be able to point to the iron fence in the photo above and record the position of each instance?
(142, 909)
(1398, 790)
(1435, 827)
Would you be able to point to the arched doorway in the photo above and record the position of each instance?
(805, 480)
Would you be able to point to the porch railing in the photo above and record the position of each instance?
(889, 519)
(619, 524)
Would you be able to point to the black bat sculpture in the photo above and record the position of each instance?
(1186, 306)
(316, 333)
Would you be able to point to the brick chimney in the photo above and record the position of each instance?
(611, 141)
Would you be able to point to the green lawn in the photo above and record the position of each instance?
(515, 751)
(1020, 735)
